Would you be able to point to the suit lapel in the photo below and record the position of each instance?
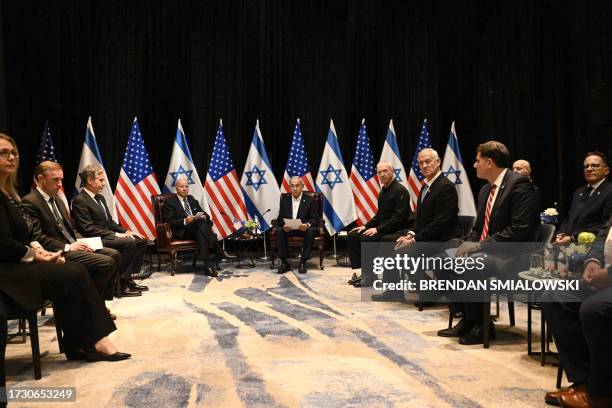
(44, 205)
(301, 206)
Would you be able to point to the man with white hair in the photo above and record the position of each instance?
(392, 216)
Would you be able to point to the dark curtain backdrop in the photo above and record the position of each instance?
(533, 74)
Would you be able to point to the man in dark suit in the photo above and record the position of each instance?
(93, 219)
(188, 220)
(592, 204)
(296, 205)
(57, 231)
(436, 217)
(393, 215)
(507, 212)
(581, 324)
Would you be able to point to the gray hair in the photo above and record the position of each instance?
(433, 152)
(89, 172)
(298, 178)
(385, 163)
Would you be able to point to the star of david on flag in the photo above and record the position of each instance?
(338, 206)
(453, 169)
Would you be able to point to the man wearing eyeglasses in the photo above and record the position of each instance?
(591, 204)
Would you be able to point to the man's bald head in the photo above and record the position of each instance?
(522, 167)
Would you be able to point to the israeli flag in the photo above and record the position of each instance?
(333, 183)
(452, 169)
(90, 155)
(391, 154)
(261, 191)
(181, 164)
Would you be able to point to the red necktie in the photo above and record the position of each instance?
(485, 227)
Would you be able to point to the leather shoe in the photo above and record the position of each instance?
(357, 280)
(93, 355)
(210, 272)
(476, 335)
(460, 329)
(127, 292)
(353, 279)
(554, 397)
(576, 399)
(283, 267)
(75, 355)
(224, 255)
(388, 296)
(135, 286)
(302, 268)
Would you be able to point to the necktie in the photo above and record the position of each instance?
(589, 191)
(60, 221)
(187, 208)
(425, 189)
(485, 227)
(100, 201)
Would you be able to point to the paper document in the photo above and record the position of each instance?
(200, 215)
(94, 243)
(293, 223)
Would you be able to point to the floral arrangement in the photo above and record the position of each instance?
(549, 215)
(251, 225)
(576, 252)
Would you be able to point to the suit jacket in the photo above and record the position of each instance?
(436, 215)
(307, 211)
(514, 216)
(90, 220)
(17, 280)
(49, 235)
(589, 214)
(597, 249)
(174, 213)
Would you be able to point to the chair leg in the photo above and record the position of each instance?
(321, 257)
(543, 336)
(60, 336)
(159, 255)
(195, 259)
(529, 332)
(511, 309)
(22, 330)
(450, 319)
(172, 263)
(33, 323)
(486, 316)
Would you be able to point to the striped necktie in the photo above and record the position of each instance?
(485, 227)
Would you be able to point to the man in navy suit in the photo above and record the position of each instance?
(591, 204)
(507, 212)
(188, 220)
(296, 205)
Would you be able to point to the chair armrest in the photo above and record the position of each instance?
(164, 235)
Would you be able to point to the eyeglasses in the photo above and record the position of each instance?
(593, 166)
(6, 154)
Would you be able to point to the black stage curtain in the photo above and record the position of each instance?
(533, 74)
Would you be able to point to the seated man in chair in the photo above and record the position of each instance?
(296, 206)
(189, 221)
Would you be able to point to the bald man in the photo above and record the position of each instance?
(522, 167)
(393, 215)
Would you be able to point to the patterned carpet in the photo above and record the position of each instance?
(253, 338)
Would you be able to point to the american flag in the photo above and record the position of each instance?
(415, 179)
(364, 182)
(137, 183)
(223, 191)
(297, 163)
(46, 152)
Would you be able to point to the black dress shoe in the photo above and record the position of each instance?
(283, 267)
(128, 292)
(93, 355)
(354, 279)
(224, 255)
(75, 355)
(210, 272)
(460, 329)
(135, 286)
(388, 296)
(302, 268)
(476, 335)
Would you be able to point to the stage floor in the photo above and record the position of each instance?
(253, 338)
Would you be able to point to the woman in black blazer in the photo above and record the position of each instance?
(29, 275)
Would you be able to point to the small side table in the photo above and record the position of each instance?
(247, 259)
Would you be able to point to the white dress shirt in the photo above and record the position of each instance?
(295, 203)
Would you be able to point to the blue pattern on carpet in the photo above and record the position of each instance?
(250, 387)
(287, 289)
(318, 320)
(264, 324)
(415, 370)
(158, 390)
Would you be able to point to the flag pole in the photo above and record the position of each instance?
(335, 254)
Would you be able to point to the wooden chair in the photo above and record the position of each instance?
(298, 242)
(166, 243)
(14, 313)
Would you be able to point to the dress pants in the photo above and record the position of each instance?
(282, 237)
(582, 332)
(354, 241)
(201, 231)
(101, 266)
(132, 251)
